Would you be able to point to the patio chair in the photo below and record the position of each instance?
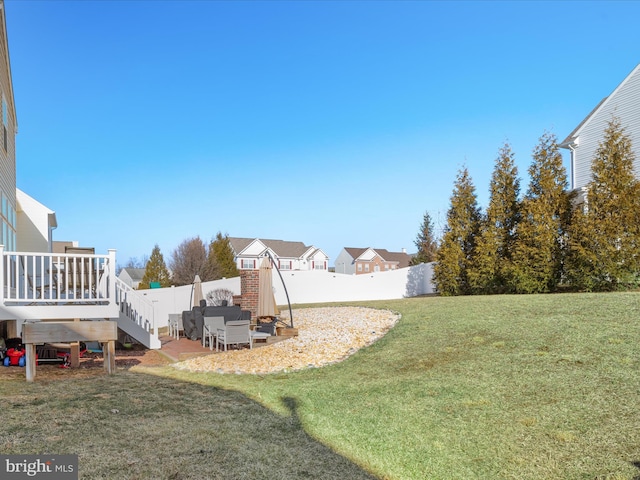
(234, 332)
(210, 330)
(175, 324)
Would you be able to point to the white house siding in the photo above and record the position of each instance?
(33, 224)
(344, 263)
(623, 103)
(318, 261)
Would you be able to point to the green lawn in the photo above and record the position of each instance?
(513, 387)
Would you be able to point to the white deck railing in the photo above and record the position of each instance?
(36, 278)
(36, 285)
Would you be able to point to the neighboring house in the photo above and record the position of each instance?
(623, 103)
(132, 276)
(288, 255)
(367, 260)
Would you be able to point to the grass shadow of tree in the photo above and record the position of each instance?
(133, 425)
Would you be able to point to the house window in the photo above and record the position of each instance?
(5, 122)
(359, 267)
(8, 218)
(366, 267)
(248, 264)
(285, 264)
(319, 265)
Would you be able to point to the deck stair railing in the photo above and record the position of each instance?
(136, 315)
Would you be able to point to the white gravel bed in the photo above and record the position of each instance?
(325, 335)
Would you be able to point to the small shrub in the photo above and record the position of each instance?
(219, 295)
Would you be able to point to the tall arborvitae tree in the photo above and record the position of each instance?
(425, 242)
(155, 271)
(221, 256)
(605, 233)
(540, 247)
(456, 250)
(498, 231)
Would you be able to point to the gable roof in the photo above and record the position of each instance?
(572, 136)
(355, 252)
(281, 248)
(136, 274)
(603, 103)
(401, 258)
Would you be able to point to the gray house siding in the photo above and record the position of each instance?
(623, 103)
(8, 127)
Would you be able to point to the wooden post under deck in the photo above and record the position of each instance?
(52, 332)
(74, 352)
(109, 355)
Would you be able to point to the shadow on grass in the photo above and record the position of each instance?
(135, 425)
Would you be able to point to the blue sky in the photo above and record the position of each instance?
(331, 123)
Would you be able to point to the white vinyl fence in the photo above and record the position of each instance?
(307, 287)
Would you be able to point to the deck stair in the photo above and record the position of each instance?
(136, 316)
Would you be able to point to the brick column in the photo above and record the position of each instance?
(249, 286)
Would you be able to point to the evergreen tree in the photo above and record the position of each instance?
(155, 271)
(605, 234)
(456, 251)
(220, 259)
(539, 250)
(425, 242)
(496, 241)
(210, 269)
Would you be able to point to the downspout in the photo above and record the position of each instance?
(572, 149)
(53, 224)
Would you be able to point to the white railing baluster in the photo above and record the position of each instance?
(47, 278)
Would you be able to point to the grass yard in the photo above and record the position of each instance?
(500, 387)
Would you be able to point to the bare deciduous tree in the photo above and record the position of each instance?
(187, 261)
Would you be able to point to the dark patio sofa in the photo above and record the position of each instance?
(193, 320)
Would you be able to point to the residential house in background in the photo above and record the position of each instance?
(368, 260)
(288, 255)
(623, 103)
(132, 276)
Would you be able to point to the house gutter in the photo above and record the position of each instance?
(572, 149)
(571, 146)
